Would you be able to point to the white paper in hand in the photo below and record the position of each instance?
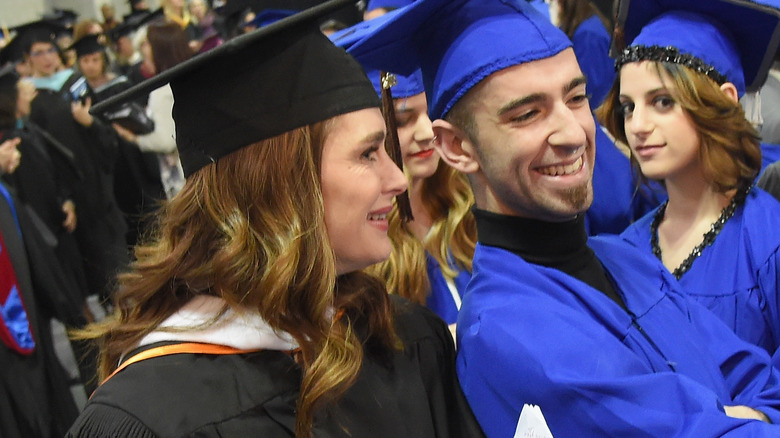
(531, 424)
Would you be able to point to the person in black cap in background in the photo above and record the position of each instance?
(37, 181)
(247, 315)
(93, 64)
(65, 21)
(62, 109)
(138, 10)
(137, 185)
(591, 331)
(121, 38)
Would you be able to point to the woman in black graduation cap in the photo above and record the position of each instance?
(247, 315)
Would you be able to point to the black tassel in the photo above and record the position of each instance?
(392, 145)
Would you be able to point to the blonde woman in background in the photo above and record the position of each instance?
(431, 259)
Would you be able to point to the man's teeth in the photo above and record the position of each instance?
(562, 170)
(377, 217)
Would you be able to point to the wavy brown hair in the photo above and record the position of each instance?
(250, 229)
(729, 150)
(450, 241)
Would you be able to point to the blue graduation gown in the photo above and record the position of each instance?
(616, 201)
(737, 276)
(591, 47)
(769, 154)
(531, 334)
(440, 300)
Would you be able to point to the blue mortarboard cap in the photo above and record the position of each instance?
(406, 85)
(541, 6)
(458, 43)
(737, 38)
(389, 4)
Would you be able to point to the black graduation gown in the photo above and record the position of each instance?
(35, 398)
(415, 394)
(100, 232)
(37, 183)
(137, 186)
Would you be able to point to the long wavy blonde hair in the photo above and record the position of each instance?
(451, 240)
(250, 229)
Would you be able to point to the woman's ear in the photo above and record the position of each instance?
(731, 91)
(454, 146)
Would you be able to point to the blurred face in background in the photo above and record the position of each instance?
(198, 9)
(92, 65)
(415, 134)
(44, 59)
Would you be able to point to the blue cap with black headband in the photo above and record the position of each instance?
(727, 40)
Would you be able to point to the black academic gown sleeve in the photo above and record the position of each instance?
(57, 292)
(410, 393)
(35, 398)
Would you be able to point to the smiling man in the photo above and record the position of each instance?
(593, 332)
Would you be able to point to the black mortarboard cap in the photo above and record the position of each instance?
(8, 76)
(137, 15)
(40, 31)
(268, 16)
(135, 21)
(12, 52)
(134, 3)
(86, 45)
(259, 85)
(64, 17)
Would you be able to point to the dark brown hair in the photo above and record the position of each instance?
(169, 43)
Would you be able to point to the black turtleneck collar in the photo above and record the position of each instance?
(558, 245)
